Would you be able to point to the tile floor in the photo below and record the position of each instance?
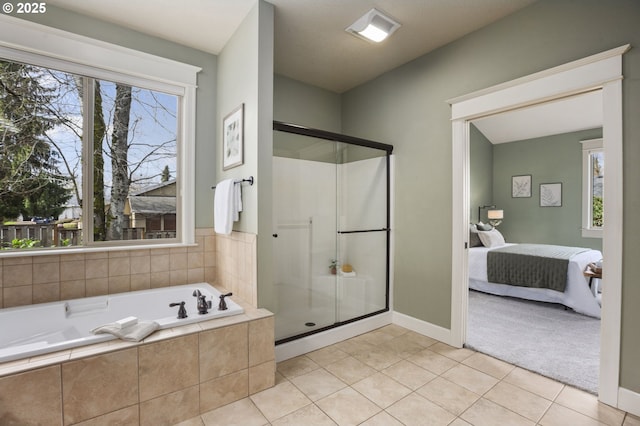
(393, 376)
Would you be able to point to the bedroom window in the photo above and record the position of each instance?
(592, 188)
(96, 143)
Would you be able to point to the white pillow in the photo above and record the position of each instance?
(491, 238)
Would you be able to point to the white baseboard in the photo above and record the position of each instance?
(629, 401)
(425, 328)
(317, 341)
(320, 340)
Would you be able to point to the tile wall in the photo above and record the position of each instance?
(38, 279)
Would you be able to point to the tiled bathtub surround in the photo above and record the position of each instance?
(173, 375)
(236, 265)
(38, 279)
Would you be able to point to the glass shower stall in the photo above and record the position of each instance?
(331, 231)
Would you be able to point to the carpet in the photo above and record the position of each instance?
(541, 337)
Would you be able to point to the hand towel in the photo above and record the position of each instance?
(237, 201)
(224, 205)
(132, 333)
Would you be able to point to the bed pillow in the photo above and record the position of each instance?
(491, 238)
(474, 239)
(484, 226)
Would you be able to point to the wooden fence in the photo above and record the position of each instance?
(55, 235)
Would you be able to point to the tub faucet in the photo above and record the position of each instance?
(203, 304)
(223, 304)
(182, 312)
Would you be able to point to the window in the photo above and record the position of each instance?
(592, 188)
(92, 155)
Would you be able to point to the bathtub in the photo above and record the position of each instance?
(48, 327)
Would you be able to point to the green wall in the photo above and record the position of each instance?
(549, 159)
(407, 107)
(480, 173)
(300, 103)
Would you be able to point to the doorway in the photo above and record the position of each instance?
(602, 71)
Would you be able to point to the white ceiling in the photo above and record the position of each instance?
(311, 44)
(579, 112)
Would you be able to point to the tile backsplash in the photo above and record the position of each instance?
(229, 261)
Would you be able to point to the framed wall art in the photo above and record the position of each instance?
(521, 186)
(233, 138)
(551, 195)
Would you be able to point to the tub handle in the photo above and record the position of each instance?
(223, 304)
(182, 312)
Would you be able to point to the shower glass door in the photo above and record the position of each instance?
(330, 233)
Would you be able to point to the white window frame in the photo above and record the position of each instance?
(589, 147)
(37, 44)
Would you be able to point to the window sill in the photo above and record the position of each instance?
(592, 233)
(84, 250)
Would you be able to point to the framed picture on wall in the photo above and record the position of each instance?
(551, 195)
(233, 138)
(521, 186)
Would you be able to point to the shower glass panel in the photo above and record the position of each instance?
(331, 208)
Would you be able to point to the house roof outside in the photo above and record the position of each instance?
(144, 204)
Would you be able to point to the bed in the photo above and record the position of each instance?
(576, 295)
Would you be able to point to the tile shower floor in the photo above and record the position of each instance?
(393, 376)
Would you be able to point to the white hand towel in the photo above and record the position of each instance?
(237, 202)
(223, 207)
(131, 333)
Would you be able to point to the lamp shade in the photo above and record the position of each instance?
(495, 214)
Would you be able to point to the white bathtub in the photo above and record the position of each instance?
(48, 327)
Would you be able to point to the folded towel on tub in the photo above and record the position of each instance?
(132, 333)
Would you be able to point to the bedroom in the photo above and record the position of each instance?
(542, 148)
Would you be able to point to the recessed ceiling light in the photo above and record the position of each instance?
(373, 26)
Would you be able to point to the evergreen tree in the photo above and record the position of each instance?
(28, 165)
(166, 174)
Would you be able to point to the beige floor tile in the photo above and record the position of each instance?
(416, 410)
(420, 339)
(487, 413)
(309, 415)
(432, 361)
(403, 346)
(318, 383)
(348, 407)
(535, 383)
(350, 370)
(382, 419)
(381, 389)
(459, 422)
(239, 413)
(519, 400)
(557, 415)
(631, 420)
(296, 366)
(491, 366)
(375, 337)
(394, 330)
(279, 400)
(196, 421)
(409, 374)
(474, 380)
(457, 354)
(326, 356)
(379, 358)
(588, 404)
(453, 398)
(354, 346)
